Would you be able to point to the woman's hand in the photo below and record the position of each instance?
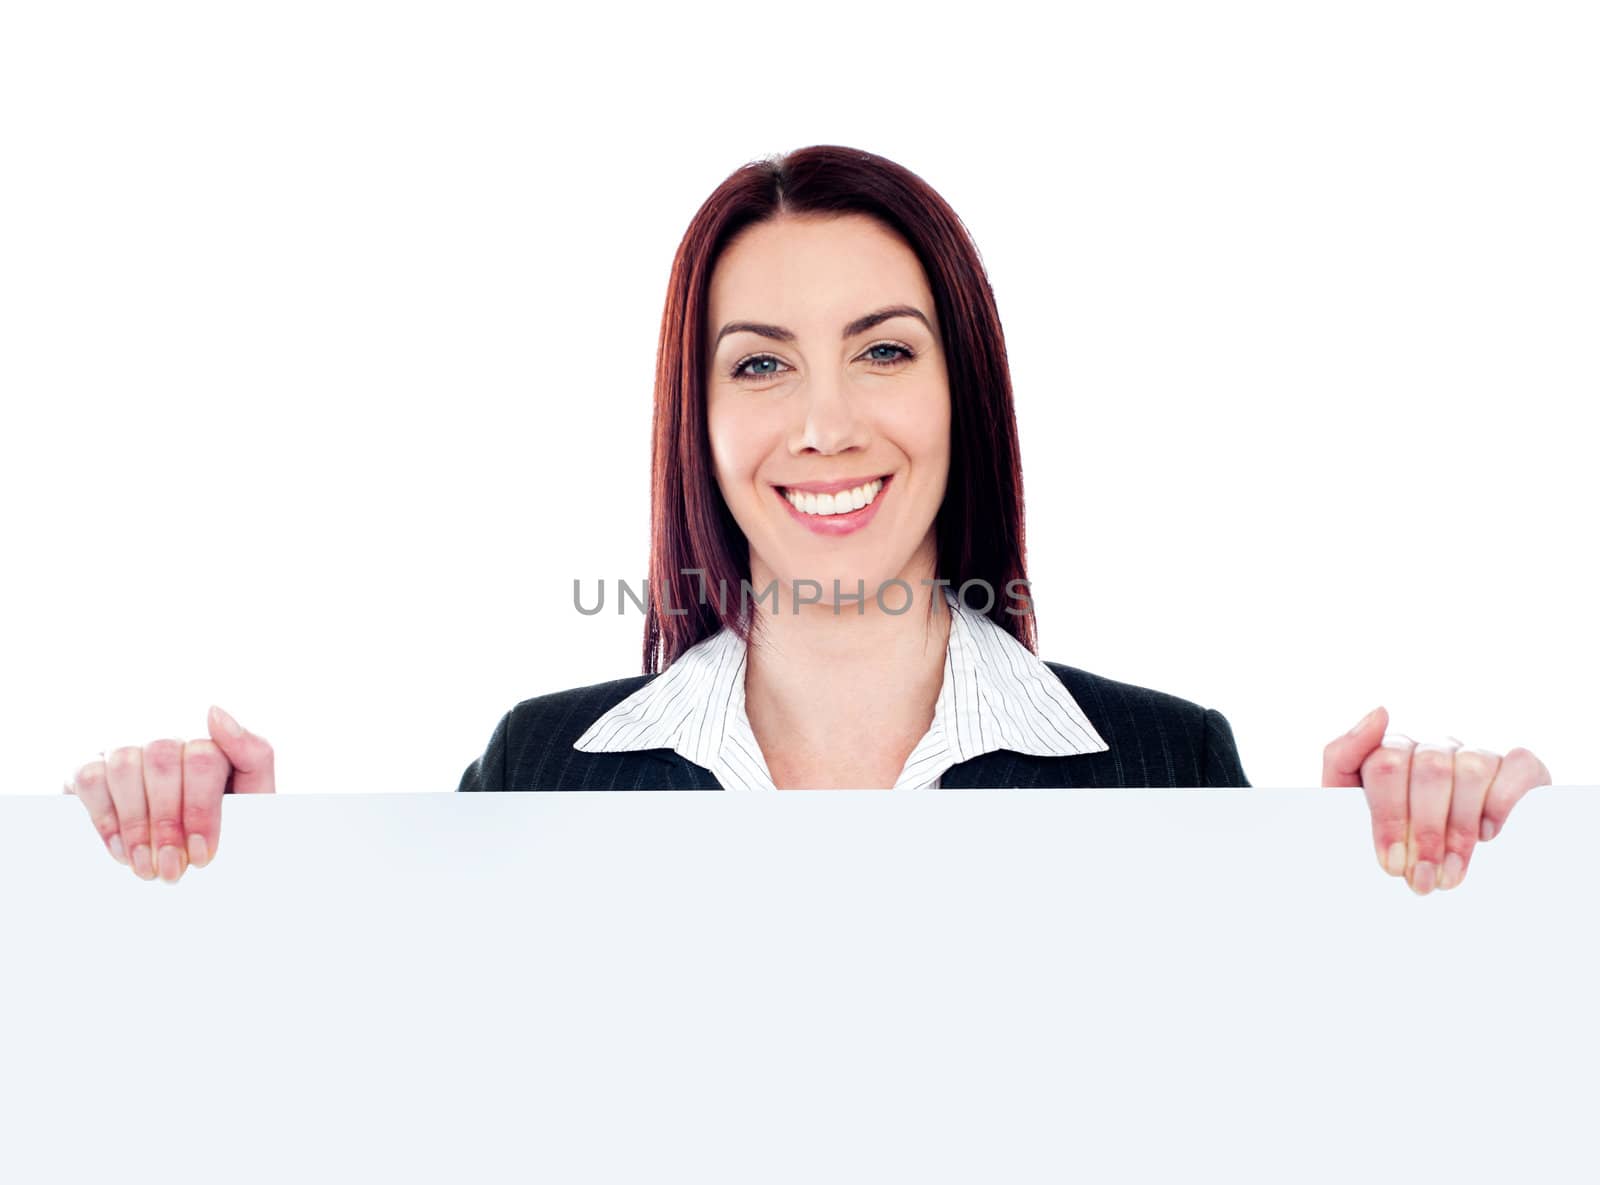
(1431, 803)
(160, 808)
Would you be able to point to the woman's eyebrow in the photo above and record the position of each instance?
(859, 325)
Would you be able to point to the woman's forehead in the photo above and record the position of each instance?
(815, 275)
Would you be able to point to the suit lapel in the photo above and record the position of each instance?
(681, 773)
(985, 771)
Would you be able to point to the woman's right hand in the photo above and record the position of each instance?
(159, 808)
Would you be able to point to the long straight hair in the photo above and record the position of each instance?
(696, 546)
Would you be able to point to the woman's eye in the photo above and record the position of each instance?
(739, 371)
(762, 366)
(902, 353)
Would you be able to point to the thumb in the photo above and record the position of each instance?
(1341, 760)
(251, 756)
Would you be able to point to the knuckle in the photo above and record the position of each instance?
(134, 833)
(1475, 764)
(1385, 763)
(164, 755)
(1433, 762)
(195, 821)
(166, 830)
(205, 762)
(90, 774)
(1429, 839)
(1459, 837)
(125, 756)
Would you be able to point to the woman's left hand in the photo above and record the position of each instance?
(1431, 803)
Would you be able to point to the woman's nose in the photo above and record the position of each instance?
(831, 420)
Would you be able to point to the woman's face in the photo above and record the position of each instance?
(818, 397)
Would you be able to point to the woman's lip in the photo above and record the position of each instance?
(831, 487)
(836, 524)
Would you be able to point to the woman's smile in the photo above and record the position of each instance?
(835, 511)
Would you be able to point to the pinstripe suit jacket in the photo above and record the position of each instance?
(1154, 739)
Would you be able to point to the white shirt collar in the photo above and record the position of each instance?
(996, 694)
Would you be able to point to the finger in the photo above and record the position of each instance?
(125, 778)
(251, 756)
(163, 785)
(1384, 775)
(1519, 772)
(1475, 769)
(1342, 758)
(89, 784)
(205, 776)
(1433, 767)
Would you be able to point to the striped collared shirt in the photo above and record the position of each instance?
(996, 695)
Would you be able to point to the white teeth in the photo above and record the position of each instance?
(841, 503)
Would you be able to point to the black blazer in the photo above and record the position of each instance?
(1156, 739)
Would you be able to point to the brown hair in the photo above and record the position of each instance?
(978, 529)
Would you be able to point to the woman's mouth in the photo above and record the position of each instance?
(838, 513)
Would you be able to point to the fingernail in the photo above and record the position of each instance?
(229, 724)
(1397, 859)
(197, 850)
(1486, 831)
(1450, 875)
(119, 852)
(141, 862)
(1365, 720)
(171, 863)
(1422, 877)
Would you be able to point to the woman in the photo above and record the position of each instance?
(837, 582)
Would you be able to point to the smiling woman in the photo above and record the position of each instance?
(833, 416)
(834, 413)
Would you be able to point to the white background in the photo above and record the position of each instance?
(963, 986)
(327, 337)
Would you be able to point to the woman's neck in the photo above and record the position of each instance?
(846, 691)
